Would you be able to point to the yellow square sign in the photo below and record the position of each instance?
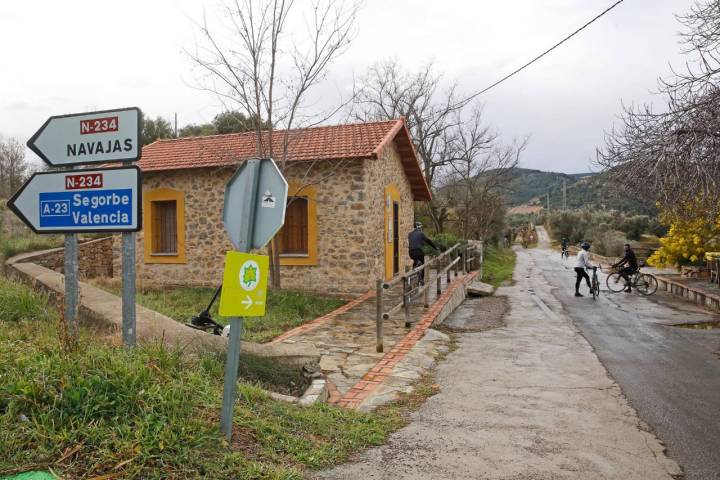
(244, 288)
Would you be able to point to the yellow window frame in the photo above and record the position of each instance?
(310, 193)
(162, 195)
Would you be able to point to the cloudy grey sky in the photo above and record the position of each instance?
(76, 55)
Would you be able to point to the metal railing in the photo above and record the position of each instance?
(458, 258)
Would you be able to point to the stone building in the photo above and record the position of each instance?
(351, 195)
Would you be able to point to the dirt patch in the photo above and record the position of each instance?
(478, 314)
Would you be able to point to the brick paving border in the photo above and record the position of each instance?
(384, 367)
(325, 318)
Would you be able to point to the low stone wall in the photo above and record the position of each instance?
(103, 311)
(695, 295)
(457, 297)
(95, 258)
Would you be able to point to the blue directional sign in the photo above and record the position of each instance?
(101, 200)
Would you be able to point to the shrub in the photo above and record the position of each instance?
(686, 242)
(635, 226)
(443, 240)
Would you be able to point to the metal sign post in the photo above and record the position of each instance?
(129, 306)
(254, 211)
(71, 284)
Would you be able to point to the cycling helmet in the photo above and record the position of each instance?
(418, 225)
(585, 246)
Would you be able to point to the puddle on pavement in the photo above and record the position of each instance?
(699, 326)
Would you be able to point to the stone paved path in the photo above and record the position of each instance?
(347, 344)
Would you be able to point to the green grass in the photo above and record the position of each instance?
(285, 310)
(27, 243)
(498, 265)
(149, 412)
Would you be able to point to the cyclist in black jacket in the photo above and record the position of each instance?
(416, 240)
(632, 266)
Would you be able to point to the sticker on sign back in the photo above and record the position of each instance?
(244, 289)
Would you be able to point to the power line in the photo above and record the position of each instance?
(546, 51)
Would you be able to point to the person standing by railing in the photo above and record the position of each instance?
(416, 241)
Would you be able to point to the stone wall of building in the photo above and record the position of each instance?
(205, 239)
(95, 258)
(387, 170)
(344, 251)
(350, 225)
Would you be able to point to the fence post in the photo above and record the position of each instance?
(378, 315)
(406, 300)
(426, 280)
(439, 289)
(463, 257)
(456, 254)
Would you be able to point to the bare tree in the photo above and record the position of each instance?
(673, 156)
(471, 189)
(249, 60)
(430, 108)
(13, 166)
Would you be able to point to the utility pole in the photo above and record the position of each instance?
(175, 124)
(548, 201)
(564, 194)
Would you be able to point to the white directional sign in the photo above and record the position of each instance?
(101, 200)
(83, 138)
(255, 200)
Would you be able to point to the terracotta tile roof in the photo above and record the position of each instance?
(337, 142)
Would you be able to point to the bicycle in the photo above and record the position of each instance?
(595, 284)
(565, 253)
(645, 283)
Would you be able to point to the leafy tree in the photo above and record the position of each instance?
(201, 130)
(223, 123)
(236, 122)
(156, 129)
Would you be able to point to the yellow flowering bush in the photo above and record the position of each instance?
(686, 242)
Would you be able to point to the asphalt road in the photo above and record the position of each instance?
(670, 375)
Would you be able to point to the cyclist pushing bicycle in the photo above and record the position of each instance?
(628, 265)
(580, 265)
(564, 253)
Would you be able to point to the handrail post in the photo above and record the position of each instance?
(439, 288)
(447, 274)
(456, 255)
(406, 299)
(463, 257)
(378, 316)
(426, 281)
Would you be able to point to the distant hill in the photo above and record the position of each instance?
(528, 185)
(584, 190)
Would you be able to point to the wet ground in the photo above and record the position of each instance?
(670, 375)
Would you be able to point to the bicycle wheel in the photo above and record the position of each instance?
(615, 282)
(596, 287)
(646, 284)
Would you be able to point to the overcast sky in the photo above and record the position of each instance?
(71, 56)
